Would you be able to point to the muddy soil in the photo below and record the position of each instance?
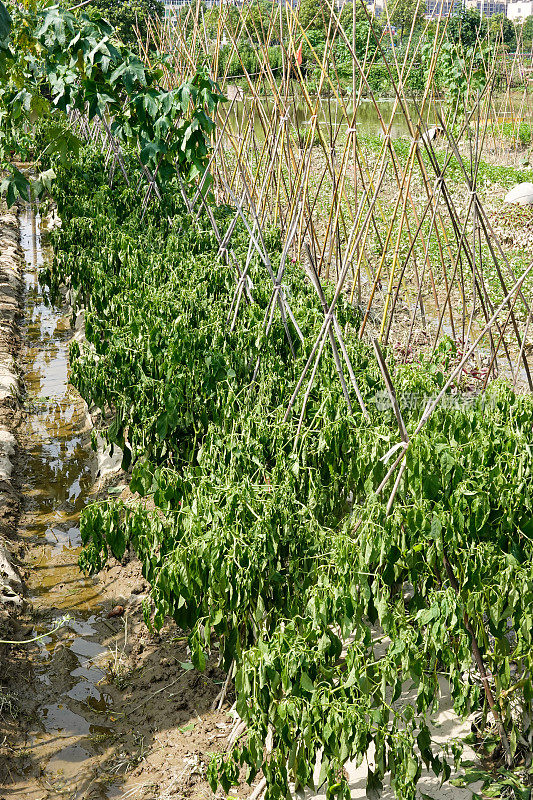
(10, 307)
(99, 707)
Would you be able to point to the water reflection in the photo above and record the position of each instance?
(59, 472)
(329, 115)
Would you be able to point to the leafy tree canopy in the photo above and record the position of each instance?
(527, 32)
(228, 18)
(404, 12)
(314, 14)
(361, 15)
(502, 29)
(126, 16)
(256, 16)
(467, 27)
(52, 62)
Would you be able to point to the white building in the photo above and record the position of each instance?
(487, 8)
(172, 7)
(519, 10)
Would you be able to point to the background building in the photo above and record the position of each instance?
(514, 10)
(172, 6)
(519, 10)
(487, 8)
(436, 8)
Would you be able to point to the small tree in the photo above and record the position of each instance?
(256, 16)
(231, 20)
(527, 33)
(314, 14)
(502, 29)
(125, 16)
(467, 28)
(404, 12)
(367, 29)
(361, 15)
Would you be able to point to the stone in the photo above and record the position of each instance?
(8, 379)
(432, 133)
(521, 195)
(11, 584)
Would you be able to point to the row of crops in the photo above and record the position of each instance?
(268, 544)
(264, 536)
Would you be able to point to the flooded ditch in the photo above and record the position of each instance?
(107, 709)
(57, 478)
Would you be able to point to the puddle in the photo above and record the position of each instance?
(72, 756)
(58, 477)
(62, 721)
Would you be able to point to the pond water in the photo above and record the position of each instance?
(330, 113)
(370, 120)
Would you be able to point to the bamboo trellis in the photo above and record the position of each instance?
(275, 162)
(398, 223)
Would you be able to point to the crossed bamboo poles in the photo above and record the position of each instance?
(281, 175)
(270, 162)
(267, 178)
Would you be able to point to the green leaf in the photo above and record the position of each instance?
(14, 186)
(426, 615)
(412, 769)
(306, 683)
(126, 457)
(186, 728)
(436, 526)
(43, 182)
(5, 26)
(217, 617)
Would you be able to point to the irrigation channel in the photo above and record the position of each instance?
(95, 724)
(58, 478)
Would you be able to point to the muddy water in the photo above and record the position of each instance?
(371, 116)
(73, 709)
(330, 113)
